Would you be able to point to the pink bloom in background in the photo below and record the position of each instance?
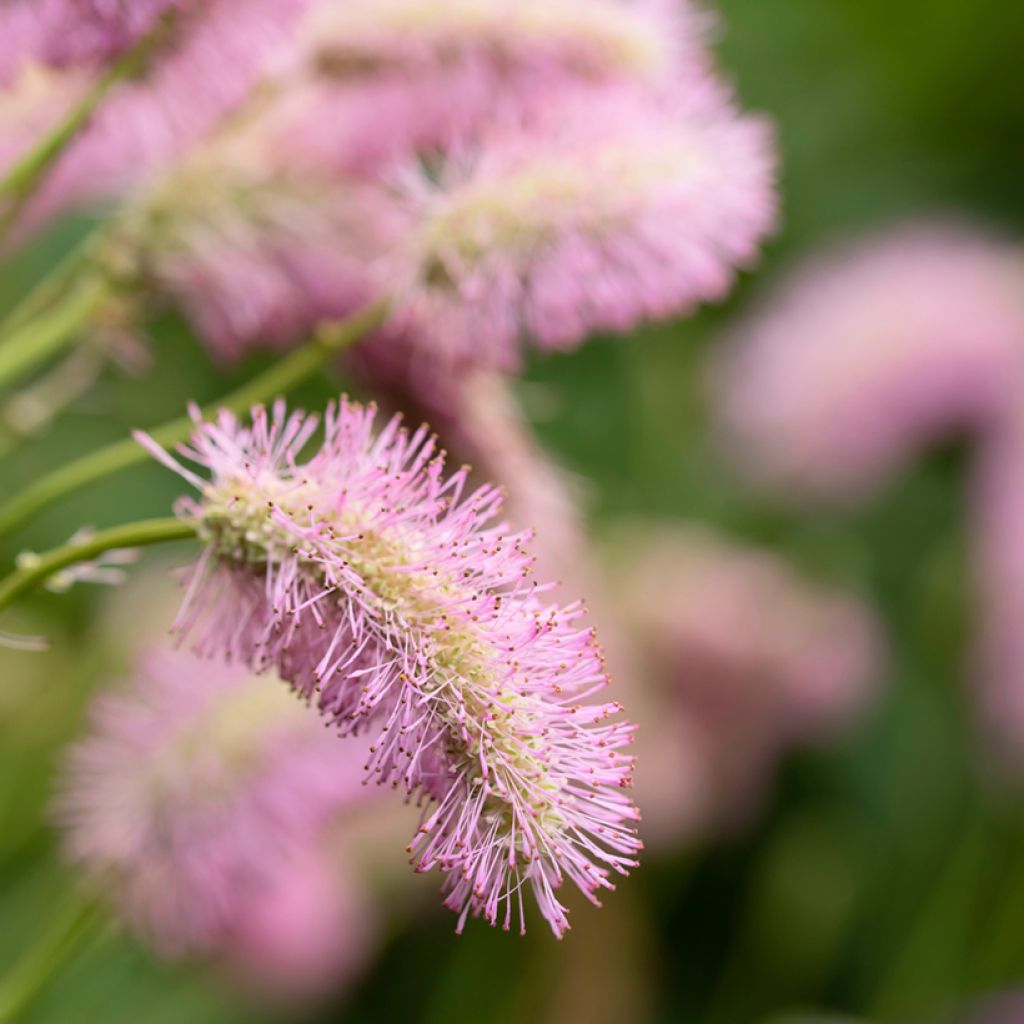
(81, 33)
(375, 584)
(611, 210)
(745, 658)
(254, 248)
(395, 76)
(250, 253)
(587, 171)
(309, 933)
(32, 105)
(208, 65)
(871, 354)
(197, 796)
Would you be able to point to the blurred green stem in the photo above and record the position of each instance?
(21, 181)
(40, 337)
(57, 280)
(77, 922)
(39, 568)
(277, 380)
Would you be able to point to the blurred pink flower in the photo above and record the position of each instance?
(254, 250)
(395, 76)
(209, 63)
(308, 933)
(375, 584)
(197, 794)
(31, 105)
(745, 660)
(80, 33)
(871, 354)
(609, 210)
(253, 257)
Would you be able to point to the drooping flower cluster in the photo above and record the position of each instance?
(394, 77)
(870, 355)
(889, 347)
(252, 249)
(207, 64)
(377, 586)
(542, 168)
(198, 797)
(604, 213)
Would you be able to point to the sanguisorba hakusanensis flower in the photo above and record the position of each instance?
(198, 72)
(608, 210)
(253, 249)
(386, 78)
(373, 582)
(198, 791)
(870, 354)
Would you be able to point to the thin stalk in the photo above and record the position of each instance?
(57, 945)
(57, 280)
(43, 336)
(277, 380)
(32, 409)
(21, 181)
(41, 567)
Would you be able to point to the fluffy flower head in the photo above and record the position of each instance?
(596, 37)
(196, 792)
(255, 251)
(393, 76)
(80, 33)
(201, 71)
(606, 213)
(872, 354)
(375, 584)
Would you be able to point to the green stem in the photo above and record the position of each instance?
(41, 337)
(22, 180)
(40, 568)
(277, 380)
(57, 945)
(56, 281)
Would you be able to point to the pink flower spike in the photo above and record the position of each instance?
(870, 354)
(197, 790)
(611, 210)
(208, 65)
(390, 77)
(389, 594)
